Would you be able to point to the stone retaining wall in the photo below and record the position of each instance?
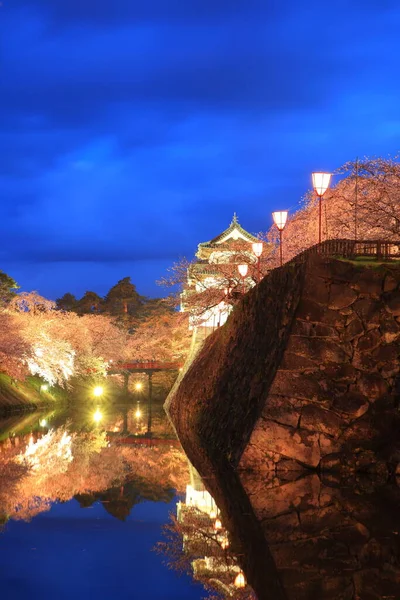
(334, 401)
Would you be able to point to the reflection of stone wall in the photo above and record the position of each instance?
(330, 543)
(334, 391)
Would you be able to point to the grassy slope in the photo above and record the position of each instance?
(26, 395)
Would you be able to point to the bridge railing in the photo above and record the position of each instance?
(373, 249)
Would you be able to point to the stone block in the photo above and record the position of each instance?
(296, 386)
(294, 362)
(392, 301)
(368, 310)
(341, 296)
(309, 310)
(370, 281)
(286, 441)
(353, 404)
(390, 283)
(372, 385)
(282, 409)
(315, 418)
(370, 340)
(300, 494)
(319, 350)
(353, 330)
(344, 373)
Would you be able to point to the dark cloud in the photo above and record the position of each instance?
(132, 131)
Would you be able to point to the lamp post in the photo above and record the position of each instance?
(257, 251)
(280, 218)
(321, 183)
(243, 272)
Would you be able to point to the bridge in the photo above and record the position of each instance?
(143, 366)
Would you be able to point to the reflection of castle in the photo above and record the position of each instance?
(205, 541)
(216, 269)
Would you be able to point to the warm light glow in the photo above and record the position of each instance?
(257, 248)
(217, 524)
(280, 218)
(97, 417)
(98, 391)
(138, 413)
(321, 182)
(138, 386)
(213, 513)
(240, 580)
(243, 269)
(224, 543)
(43, 423)
(44, 387)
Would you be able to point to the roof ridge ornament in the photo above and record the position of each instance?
(235, 220)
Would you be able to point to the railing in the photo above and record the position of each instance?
(376, 249)
(150, 365)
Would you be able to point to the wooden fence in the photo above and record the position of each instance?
(373, 249)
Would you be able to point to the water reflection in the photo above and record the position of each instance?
(104, 454)
(330, 538)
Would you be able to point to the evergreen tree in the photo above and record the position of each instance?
(89, 303)
(67, 302)
(7, 287)
(123, 299)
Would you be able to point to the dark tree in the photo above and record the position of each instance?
(89, 303)
(7, 287)
(122, 299)
(67, 302)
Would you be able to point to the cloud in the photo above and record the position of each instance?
(134, 130)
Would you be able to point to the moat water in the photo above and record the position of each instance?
(103, 502)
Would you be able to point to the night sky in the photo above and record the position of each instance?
(132, 130)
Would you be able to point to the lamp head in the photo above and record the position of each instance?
(280, 218)
(257, 249)
(243, 269)
(321, 182)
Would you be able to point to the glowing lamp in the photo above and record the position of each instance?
(213, 513)
(257, 249)
(97, 417)
(44, 387)
(280, 218)
(321, 182)
(43, 423)
(240, 580)
(243, 269)
(98, 391)
(138, 413)
(217, 524)
(138, 386)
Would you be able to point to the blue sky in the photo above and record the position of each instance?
(132, 131)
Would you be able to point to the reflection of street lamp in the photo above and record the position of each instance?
(97, 417)
(240, 580)
(243, 272)
(321, 183)
(280, 218)
(257, 251)
(44, 387)
(217, 524)
(98, 391)
(138, 386)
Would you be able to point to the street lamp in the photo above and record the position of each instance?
(98, 391)
(321, 183)
(138, 386)
(280, 218)
(243, 272)
(257, 251)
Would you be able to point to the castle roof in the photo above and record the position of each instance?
(234, 232)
